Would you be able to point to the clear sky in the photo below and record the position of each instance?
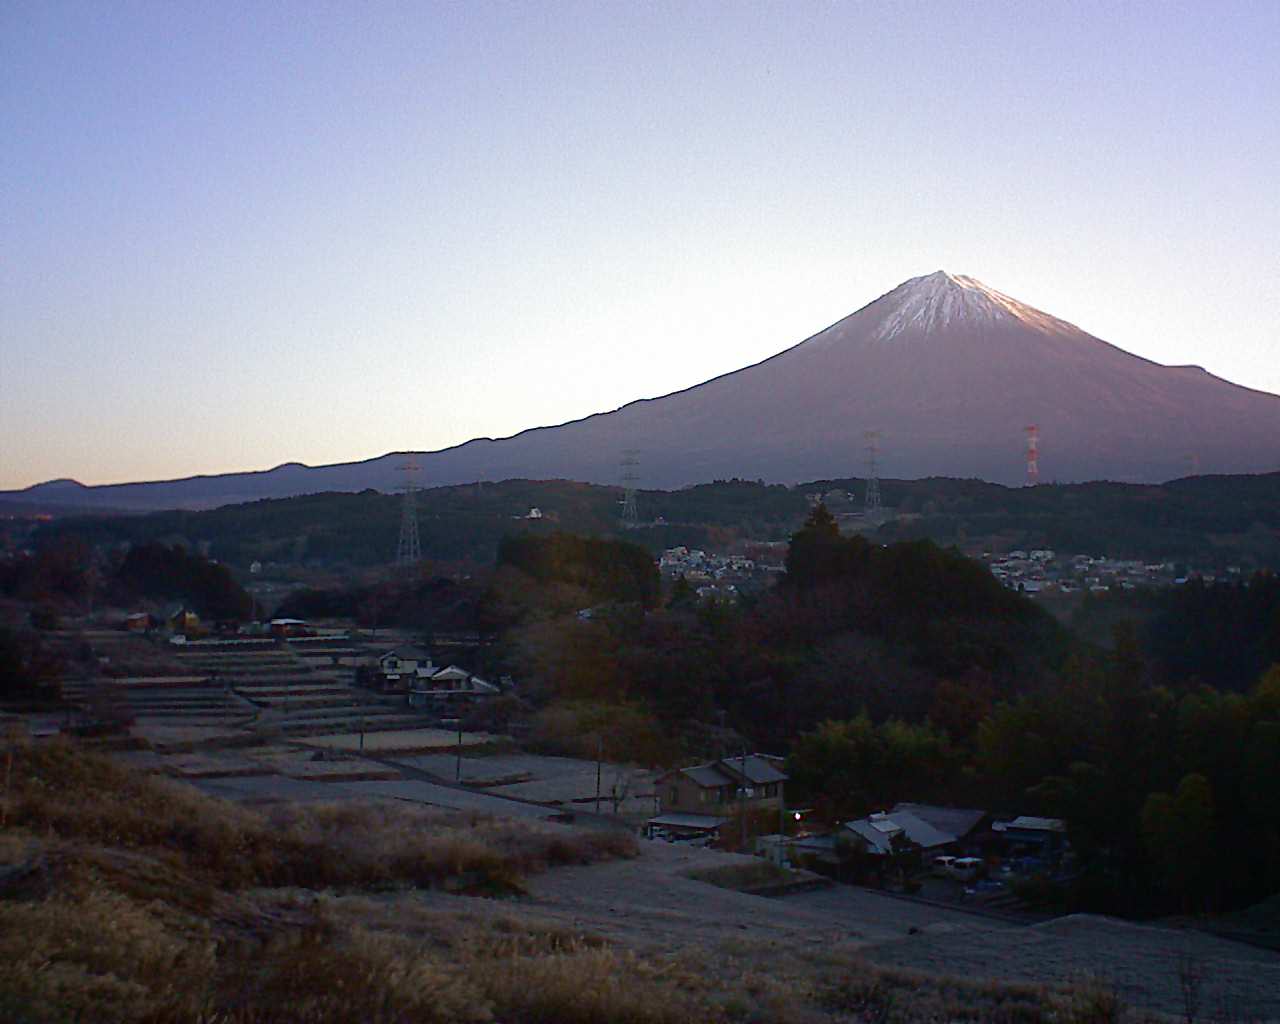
(235, 235)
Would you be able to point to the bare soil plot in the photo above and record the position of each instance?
(566, 781)
(398, 741)
(211, 766)
(449, 797)
(189, 737)
(299, 763)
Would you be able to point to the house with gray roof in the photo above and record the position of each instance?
(752, 781)
(448, 686)
(970, 828)
(400, 667)
(884, 833)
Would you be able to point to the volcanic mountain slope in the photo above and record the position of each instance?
(946, 369)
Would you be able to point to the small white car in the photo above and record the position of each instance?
(967, 869)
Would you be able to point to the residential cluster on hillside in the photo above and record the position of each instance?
(716, 575)
(1043, 570)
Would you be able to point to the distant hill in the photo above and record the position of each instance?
(948, 370)
(1205, 521)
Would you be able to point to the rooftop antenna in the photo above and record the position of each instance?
(409, 551)
(872, 438)
(1033, 455)
(630, 475)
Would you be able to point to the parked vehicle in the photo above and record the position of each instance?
(967, 869)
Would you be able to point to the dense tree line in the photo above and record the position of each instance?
(1168, 796)
(429, 604)
(1199, 520)
(1222, 634)
(161, 572)
(1210, 521)
(607, 570)
(68, 574)
(853, 627)
(458, 524)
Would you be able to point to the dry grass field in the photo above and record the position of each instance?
(128, 897)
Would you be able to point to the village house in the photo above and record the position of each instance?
(1027, 835)
(883, 834)
(282, 629)
(699, 800)
(140, 622)
(449, 688)
(398, 669)
(970, 829)
(753, 779)
(183, 621)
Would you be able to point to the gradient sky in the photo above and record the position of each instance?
(241, 234)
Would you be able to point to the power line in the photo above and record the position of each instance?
(409, 551)
(630, 466)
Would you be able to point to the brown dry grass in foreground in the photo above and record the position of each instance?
(129, 898)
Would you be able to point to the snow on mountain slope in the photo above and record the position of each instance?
(949, 371)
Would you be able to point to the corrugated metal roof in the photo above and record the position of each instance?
(880, 829)
(956, 820)
(1033, 824)
(920, 831)
(878, 841)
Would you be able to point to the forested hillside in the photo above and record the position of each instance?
(1204, 522)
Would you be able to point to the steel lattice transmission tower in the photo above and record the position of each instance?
(1033, 455)
(873, 474)
(630, 466)
(409, 551)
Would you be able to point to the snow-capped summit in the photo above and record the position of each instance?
(947, 370)
(935, 301)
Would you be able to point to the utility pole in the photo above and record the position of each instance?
(599, 756)
(457, 774)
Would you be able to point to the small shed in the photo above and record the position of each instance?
(676, 826)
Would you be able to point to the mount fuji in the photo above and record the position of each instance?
(948, 371)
